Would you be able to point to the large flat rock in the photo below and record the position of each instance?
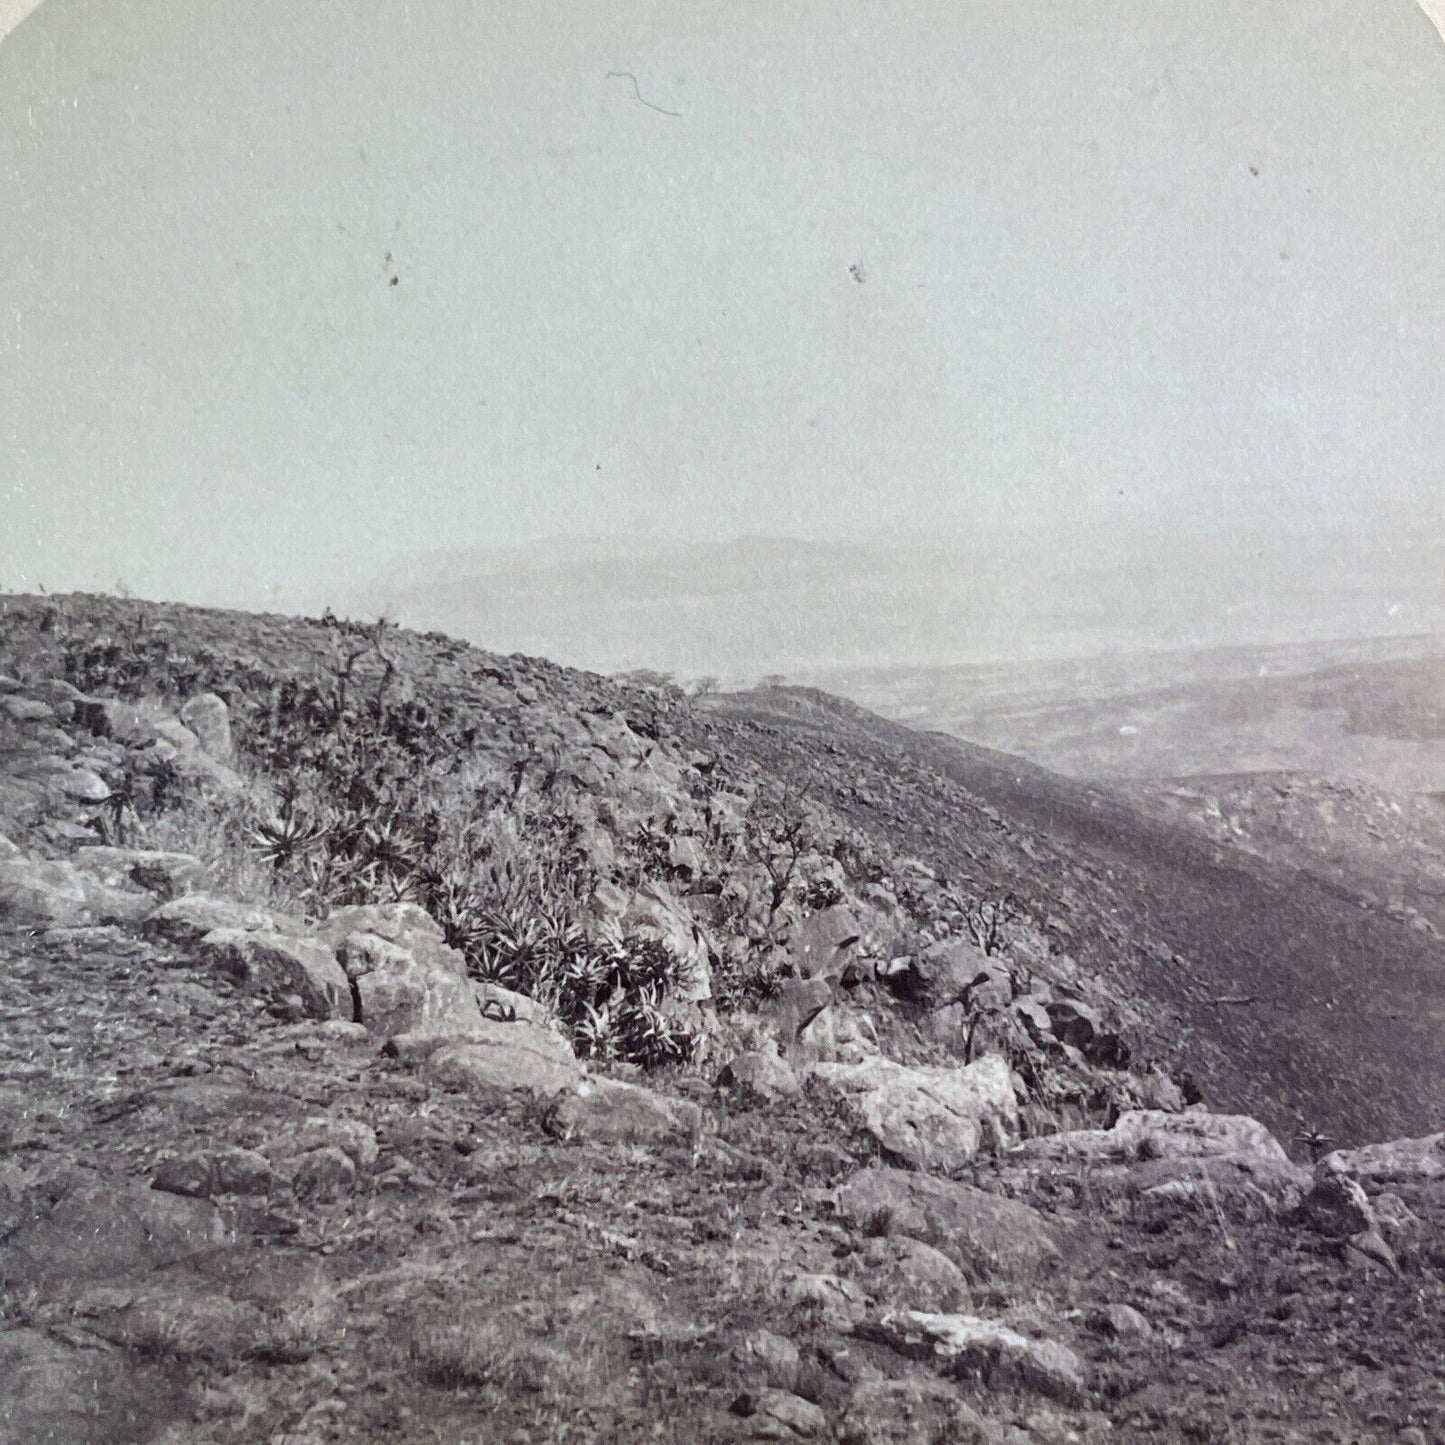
(987, 1236)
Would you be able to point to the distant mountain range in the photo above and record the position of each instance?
(752, 606)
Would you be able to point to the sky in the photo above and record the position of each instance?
(291, 294)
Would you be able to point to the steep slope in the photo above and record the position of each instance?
(1345, 1007)
(1272, 988)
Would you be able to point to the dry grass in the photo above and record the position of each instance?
(565, 1363)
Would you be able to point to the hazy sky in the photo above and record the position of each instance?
(1107, 276)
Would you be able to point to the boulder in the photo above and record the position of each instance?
(1143, 1134)
(42, 891)
(903, 1273)
(797, 1002)
(821, 945)
(759, 1074)
(500, 1059)
(608, 1111)
(779, 1415)
(166, 874)
(983, 1352)
(396, 994)
(926, 1117)
(406, 924)
(1337, 1206)
(1399, 1161)
(279, 965)
(987, 1236)
(947, 971)
(28, 710)
(206, 1173)
(208, 717)
(187, 920)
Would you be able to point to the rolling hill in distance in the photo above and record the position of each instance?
(752, 606)
(1292, 712)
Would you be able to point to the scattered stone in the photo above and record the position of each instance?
(911, 1411)
(771, 1358)
(761, 1074)
(607, 1111)
(324, 1174)
(1119, 1321)
(924, 1117)
(206, 1173)
(778, 1415)
(278, 965)
(983, 1352)
(987, 1236)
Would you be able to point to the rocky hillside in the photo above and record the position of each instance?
(406, 1042)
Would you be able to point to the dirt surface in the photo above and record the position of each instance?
(481, 1280)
